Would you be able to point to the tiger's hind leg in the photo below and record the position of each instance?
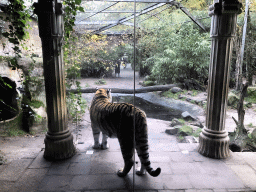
(104, 144)
(96, 136)
(127, 148)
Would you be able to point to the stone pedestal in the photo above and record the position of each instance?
(214, 140)
(59, 140)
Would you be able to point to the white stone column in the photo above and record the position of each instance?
(214, 140)
(59, 140)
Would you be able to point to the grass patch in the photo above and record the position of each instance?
(101, 82)
(36, 104)
(169, 94)
(149, 83)
(186, 129)
(250, 125)
(12, 128)
(182, 121)
(195, 92)
(251, 92)
(197, 132)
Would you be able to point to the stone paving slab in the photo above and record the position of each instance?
(14, 170)
(29, 181)
(5, 186)
(40, 162)
(246, 174)
(56, 183)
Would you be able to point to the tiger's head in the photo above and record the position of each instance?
(103, 93)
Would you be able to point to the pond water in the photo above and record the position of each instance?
(152, 110)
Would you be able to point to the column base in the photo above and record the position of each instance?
(59, 147)
(214, 144)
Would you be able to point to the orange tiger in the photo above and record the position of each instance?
(115, 120)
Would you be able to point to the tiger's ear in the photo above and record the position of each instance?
(108, 91)
(97, 88)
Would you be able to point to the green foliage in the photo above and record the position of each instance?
(185, 56)
(76, 105)
(18, 16)
(72, 7)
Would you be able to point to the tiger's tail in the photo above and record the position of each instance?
(152, 172)
(142, 146)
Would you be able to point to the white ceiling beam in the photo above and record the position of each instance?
(124, 19)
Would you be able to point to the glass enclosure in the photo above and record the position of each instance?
(126, 46)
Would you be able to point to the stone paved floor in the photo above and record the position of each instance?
(183, 169)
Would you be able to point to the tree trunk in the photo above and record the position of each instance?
(240, 139)
(130, 91)
(237, 45)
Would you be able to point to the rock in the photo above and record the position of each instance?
(181, 96)
(188, 99)
(175, 122)
(176, 90)
(198, 124)
(233, 100)
(140, 82)
(234, 147)
(187, 116)
(172, 131)
(248, 104)
(190, 139)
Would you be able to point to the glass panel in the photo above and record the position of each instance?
(105, 60)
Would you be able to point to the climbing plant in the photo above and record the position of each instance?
(17, 19)
(75, 103)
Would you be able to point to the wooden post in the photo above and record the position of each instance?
(59, 140)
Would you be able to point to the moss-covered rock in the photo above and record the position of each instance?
(149, 83)
(233, 100)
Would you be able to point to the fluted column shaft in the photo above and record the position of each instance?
(214, 140)
(59, 140)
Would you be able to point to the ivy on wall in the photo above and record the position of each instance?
(17, 19)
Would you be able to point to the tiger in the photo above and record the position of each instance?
(116, 120)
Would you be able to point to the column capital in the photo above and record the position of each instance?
(47, 6)
(225, 7)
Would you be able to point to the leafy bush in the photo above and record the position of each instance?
(186, 56)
